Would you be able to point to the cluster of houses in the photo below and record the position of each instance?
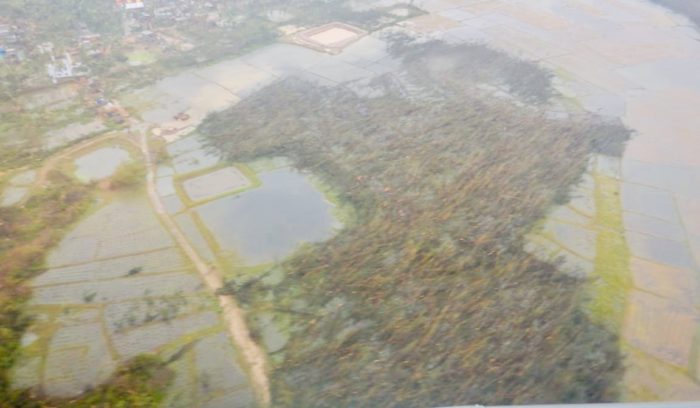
(169, 13)
(11, 45)
(67, 65)
(63, 67)
(149, 25)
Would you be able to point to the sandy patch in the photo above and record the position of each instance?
(333, 36)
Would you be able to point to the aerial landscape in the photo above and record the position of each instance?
(349, 203)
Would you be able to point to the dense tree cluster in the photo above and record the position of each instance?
(428, 297)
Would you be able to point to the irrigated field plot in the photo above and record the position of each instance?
(216, 183)
(116, 287)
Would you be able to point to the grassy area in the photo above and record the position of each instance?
(611, 276)
(429, 299)
(140, 383)
(141, 57)
(129, 175)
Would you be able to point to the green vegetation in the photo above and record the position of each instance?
(611, 277)
(139, 383)
(61, 19)
(26, 234)
(428, 297)
(129, 175)
(141, 57)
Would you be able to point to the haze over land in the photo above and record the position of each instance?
(345, 203)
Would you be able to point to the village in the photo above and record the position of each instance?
(138, 33)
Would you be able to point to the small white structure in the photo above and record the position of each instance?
(65, 68)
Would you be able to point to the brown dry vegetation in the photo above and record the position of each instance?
(428, 298)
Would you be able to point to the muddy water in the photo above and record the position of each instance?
(270, 222)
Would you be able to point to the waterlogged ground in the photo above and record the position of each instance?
(116, 287)
(17, 187)
(60, 137)
(201, 91)
(216, 183)
(268, 223)
(100, 164)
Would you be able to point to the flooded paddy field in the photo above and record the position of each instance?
(117, 287)
(268, 223)
(188, 155)
(206, 90)
(61, 137)
(50, 96)
(100, 164)
(216, 183)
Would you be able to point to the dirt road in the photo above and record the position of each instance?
(234, 317)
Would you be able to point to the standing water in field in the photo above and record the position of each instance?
(100, 164)
(270, 222)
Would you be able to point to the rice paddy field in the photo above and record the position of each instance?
(117, 287)
(399, 203)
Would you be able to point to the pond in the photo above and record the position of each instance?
(100, 164)
(270, 222)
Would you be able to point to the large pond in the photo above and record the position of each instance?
(100, 164)
(270, 222)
